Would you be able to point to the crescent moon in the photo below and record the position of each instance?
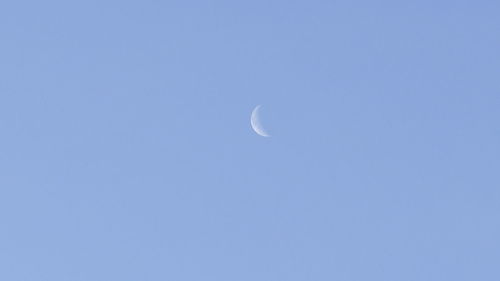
(255, 122)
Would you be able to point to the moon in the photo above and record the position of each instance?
(255, 122)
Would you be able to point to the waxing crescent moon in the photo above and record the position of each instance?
(255, 122)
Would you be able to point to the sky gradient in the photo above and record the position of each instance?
(127, 152)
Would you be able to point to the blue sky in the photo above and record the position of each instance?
(127, 151)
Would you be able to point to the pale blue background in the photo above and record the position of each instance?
(127, 154)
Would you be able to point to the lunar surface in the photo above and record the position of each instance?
(255, 122)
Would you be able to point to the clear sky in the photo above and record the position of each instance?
(127, 152)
